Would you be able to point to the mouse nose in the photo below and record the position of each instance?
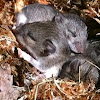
(80, 47)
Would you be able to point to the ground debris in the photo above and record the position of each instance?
(48, 89)
(52, 89)
(7, 39)
(7, 92)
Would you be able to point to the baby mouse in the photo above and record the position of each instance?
(86, 62)
(36, 12)
(80, 66)
(93, 50)
(45, 46)
(75, 30)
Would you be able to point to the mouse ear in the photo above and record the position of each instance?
(49, 47)
(59, 18)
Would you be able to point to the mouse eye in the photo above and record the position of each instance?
(73, 33)
(31, 36)
(49, 48)
(29, 39)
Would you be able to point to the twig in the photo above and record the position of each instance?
(79, 74)
(93, 64)
(38, 87)
(98, 34)
(94, 11)
(97, 20)
(55, 81)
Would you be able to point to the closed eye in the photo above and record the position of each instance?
(73, 33)
(31, 36)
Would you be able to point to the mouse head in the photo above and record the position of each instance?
(45, 46)
(44, 42)
(75, 30)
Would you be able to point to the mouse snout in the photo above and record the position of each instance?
(80, 46)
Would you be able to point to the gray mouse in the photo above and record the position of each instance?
(45, 45)
(75, 30)
(93, 50)
(89, 64)
(35, 12)
(80, 66)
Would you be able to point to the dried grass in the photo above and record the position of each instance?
(49, 89)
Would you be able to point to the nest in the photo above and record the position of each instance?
(48, 89)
